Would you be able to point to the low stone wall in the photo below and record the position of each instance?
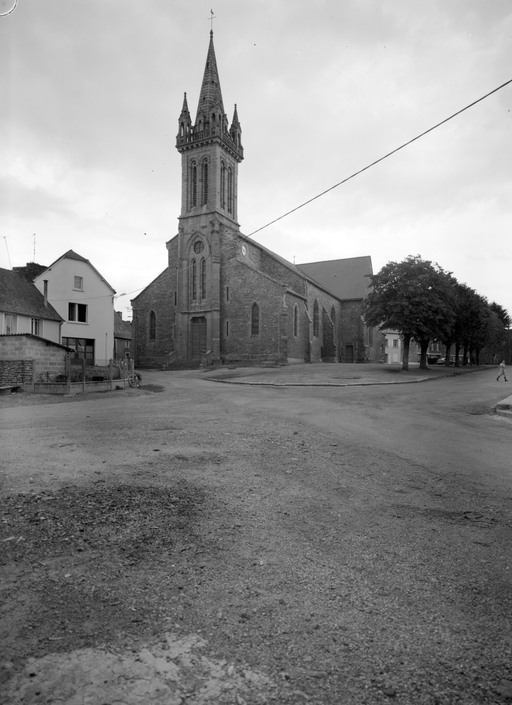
(78, 387)
(16, 372)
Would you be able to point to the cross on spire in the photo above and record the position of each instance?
(210, 19)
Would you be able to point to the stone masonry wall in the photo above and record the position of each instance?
(326, 332)
(246, 288)
(352, 331)
(298, 345)
(23, 358)
(159, 297)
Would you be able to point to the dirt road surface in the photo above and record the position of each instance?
(203, 542)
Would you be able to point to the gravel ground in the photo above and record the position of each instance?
(187, 548)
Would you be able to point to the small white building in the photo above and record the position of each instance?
(393, 347)
(85, 300)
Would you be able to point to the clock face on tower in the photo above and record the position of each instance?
(198, 247)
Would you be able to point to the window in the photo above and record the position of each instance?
(205, 182)
(203, 279)
(230, 190)
(315, 319)
(77, 313)
(198, 246)
(78, 283)
(222, 185)
(193, 293)
(152, 325)
(83, 349)
(255, 320)
(296, 321)
(395, 342)
(227, 293)
(35, 326)
(227, 328)
(193, 185)
(10, 324)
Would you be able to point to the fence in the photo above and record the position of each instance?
(81, 379)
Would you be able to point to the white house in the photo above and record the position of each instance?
(85, 300)
(393, 347)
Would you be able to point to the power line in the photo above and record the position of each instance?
(381, 158)
(348, 178)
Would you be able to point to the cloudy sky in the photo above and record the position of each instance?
(92, 90)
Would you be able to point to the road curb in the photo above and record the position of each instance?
(327, 384)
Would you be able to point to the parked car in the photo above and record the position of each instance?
(442, 360)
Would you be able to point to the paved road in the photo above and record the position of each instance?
(363, 533)
(445, 424)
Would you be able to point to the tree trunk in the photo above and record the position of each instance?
(405, 359)
(447, 355)
(465, 356)
(457, 353)
(423, 354)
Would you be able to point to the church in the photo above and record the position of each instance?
(224, 298)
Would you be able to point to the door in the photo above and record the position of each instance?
(349, 353)
(198, 337)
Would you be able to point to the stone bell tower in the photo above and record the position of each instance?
(210, 153)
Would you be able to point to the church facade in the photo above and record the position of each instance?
(225, 298)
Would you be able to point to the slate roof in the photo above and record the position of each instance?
(345, 278)
(122, 329)
(19, 296)
(31, 270)
(211, 95)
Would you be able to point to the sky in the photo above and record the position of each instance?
(91, 92)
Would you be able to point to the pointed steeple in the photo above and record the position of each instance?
(210, 98)
(235, 122)
(185, 111)
(235, 131)
(184, 121)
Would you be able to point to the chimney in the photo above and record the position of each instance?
(45, 282)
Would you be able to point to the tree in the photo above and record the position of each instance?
(413, 297)
(501, 313)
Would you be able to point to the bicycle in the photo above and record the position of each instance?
(134, 379)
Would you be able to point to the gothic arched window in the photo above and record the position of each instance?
(152, 325)
(193, 185)
(203, 278)
(230, 190)
(205, 182)
(222, 185)
(193, 292)
(255, 320)
(315, 319)
(296, 321)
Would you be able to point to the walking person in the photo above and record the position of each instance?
(502, 372)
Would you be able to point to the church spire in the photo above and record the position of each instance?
(235, 131)
(210, 98)
(185, 111)
(184, 122)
